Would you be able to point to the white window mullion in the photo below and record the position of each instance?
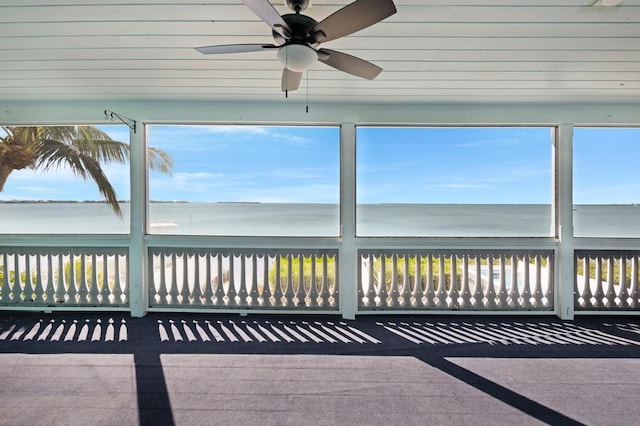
(348, 256)
(138, 292)
(565, 274)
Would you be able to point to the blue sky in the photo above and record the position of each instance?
(606, 165)
(394, 165)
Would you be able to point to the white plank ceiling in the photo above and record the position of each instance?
(432, 51)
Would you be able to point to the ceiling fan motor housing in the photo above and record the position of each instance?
(300, 25)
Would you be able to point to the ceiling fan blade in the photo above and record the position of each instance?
(349, 64)
(270, 16)
(351, 18)
(234, 48)
(290, 80)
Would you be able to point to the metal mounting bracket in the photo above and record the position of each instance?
(110, 115)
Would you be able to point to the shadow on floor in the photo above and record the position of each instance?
(439, 343)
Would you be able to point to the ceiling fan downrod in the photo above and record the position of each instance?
(297, 5)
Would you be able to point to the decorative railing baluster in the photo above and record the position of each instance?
(586, 288)
(442, 284)
(277, 292)
(465, 294)
(17, 280)
(28, 289)
(219, 278)
(184, 294)
(55, 277)
(61, 290)
(548, 295)
(86, 276)
(502, 286)
(418, 292)
(125, 288)
(490, 294)
(235, 278)
(112, 288)
(243, 293)
(83, 288)
(454, 292)
(611, 293)
(429, 288)
(173, 281)
(288, 293)
(514, 292)
(93, 292)
(92, 279)
(526, 289)
(313, 284)
(161, 291)
(325, 293)
(478, 291)
(253, 293)
(266, 284)
(39, 290)
(406, 283)
(196, 294)
(300, 291)
(393, 291)
(537, 287)
(466, 280)
(614, 276)
(208, 290)
(622, 283)
(104, 291)
(382, 283)
(599, 293)
(72, 289)
(231, 286)
(50, 292)
(633, 290)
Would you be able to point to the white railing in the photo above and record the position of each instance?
(455, 280)
(606, 280)
(293, 279)
(64, 277)
(260, 279)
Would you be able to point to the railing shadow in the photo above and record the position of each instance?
(431, 340)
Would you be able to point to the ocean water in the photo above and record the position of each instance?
(263, 219)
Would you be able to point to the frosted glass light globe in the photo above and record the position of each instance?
(297, 57)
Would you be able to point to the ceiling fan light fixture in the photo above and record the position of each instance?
(297, 57)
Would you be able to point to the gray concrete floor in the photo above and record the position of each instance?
(182, 369)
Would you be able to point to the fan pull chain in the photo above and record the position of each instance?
(307, 109)
(286, 75)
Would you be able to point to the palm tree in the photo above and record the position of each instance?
(83, 149)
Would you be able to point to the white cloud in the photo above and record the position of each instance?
(453, 186)
(488, 142)
(185, 135)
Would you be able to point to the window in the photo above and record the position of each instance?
(246, 180)
(58, 179)
(463, 182)
(606, 182)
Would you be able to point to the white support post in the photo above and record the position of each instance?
(138, 292)
(565, 273)
(348, 253)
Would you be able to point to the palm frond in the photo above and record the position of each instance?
(160, 160)
(54, 154)
(104, 151)
(83, 149)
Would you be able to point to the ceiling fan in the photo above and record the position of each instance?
(297, 37)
